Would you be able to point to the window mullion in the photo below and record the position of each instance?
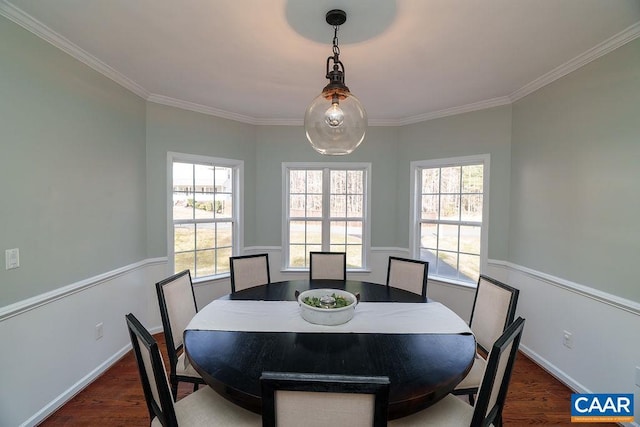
(326, 208)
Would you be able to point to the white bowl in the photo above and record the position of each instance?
(327, 316)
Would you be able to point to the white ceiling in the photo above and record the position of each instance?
(263, 61)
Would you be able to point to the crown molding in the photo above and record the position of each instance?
(481, 105)
(36, 27)
(629, 34)
(199, 108)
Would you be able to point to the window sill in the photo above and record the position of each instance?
(452, 282)
(206, 279)
(297, 270)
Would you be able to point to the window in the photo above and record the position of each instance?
(449, 216)
(325, 210)
(204, 227)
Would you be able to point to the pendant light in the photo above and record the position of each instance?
(335, 122)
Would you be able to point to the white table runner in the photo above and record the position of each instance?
(369, 317)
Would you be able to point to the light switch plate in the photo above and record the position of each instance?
(12, 258)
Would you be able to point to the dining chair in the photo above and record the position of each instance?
(312, 400)
(248, 271)
(408, 274)
(328, 265)
(203, 407)
(494, 308)
(177, 307)
(454, 412)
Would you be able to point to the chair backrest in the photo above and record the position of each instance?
(177, 307)
(493, 310)
(310, 400)
(497, 375)
(328, 265)
(408, 274)
(152, 373)
(248, 271)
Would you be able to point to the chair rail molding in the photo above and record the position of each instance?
(598, 295)
(56, 294)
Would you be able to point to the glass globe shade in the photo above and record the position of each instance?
(335, 127)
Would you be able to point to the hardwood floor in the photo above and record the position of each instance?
(116, 398)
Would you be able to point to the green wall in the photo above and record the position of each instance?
(181, 131)
(72, 167)
(575, 197)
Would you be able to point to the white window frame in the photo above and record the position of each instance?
(415, 205)
(237, 196)
(366, 231)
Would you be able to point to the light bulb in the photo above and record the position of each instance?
(334, 116)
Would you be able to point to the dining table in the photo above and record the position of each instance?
(424, 348)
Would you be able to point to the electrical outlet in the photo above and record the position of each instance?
(12, 258)
(99, 331)
(567, 339)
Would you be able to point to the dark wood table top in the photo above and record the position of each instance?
(422, 368)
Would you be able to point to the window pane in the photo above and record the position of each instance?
(314, 206)
(470, 240)
(430, 181)
(184, 238)
(338, 182)
(448, 237)
(205, 263)
(223, 179)
(314, 232)
(184, 261)
(203, 178)
(297, 205)
(297, 232)
(338, 232)
(450, 207)
(430, 207)
(338, 206)
(224, 235)
(355, 184)
(297, 181)
(450, 180)
(429, 236)
(183, 177)
(223, 205)
(297, 256)
(472, 179)
(354, 232)
(203, 205)
(355, 206)
(222, 260)
(354, 256)
(469, 267)
(472, 208)
(314, 182)
(182, 206)
(448, 264)
(205, 236)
